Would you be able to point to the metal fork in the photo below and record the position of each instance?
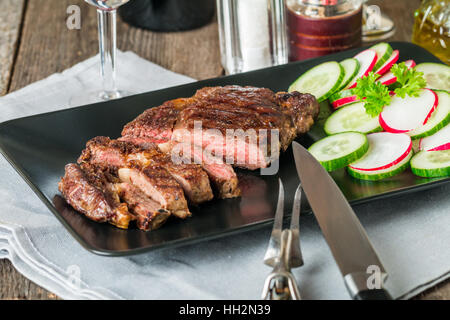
(283, 252)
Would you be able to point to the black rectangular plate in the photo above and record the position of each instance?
(39, 146)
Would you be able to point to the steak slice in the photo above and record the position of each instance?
(156, 123)
(302, 107)
(221, 174)
(251, 114)
(191, 177)
(89, 195)
(149, 214)
(157, 183)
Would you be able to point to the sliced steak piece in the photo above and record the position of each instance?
(258, 108)
(149, 213)
(157, 183)
(90, 196)
(221, 174)
(191, 177)
(250, 116)
(193, 180)
(156, 123)
(104, 151)
(143, 142)
(302, 107)
(221, 109)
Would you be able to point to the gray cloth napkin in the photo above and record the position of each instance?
(411, 233)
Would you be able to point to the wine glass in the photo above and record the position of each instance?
(106, 18)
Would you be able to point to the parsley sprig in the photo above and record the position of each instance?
(411, 80)
(376, 95)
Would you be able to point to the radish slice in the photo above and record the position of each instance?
(367, 60)
(436, 142)
(406, 114)
(388, 64)
(385, 150)
(389, 78)
(343, 101)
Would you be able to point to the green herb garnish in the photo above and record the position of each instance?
(411, 80)
(375, 95)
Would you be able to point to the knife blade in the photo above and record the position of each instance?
(357, 260)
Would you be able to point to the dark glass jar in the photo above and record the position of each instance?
(320, 27)
(168, 15)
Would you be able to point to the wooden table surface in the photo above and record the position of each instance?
(35, 43)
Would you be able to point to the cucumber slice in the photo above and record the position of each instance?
(437, 75)
(438, 119)
(341, 94)
(352, 117)
(384, 52)
(416, 145)
(431, 164)
(338, 150)
(389, 63)
(321, 81)
(351, 67)
(383, 173)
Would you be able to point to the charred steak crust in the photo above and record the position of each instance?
(87, 193)
(149, 214)
(191, 177)
(156, 123)
(302, 107)
(156, 183)
(221, 175)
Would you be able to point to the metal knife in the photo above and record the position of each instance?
(363, 272)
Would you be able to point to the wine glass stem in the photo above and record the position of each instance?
(107, 44)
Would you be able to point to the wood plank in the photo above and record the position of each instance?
(14, 286)
(10, 22)
(47, 45)
(194, 53)
(55, 48)
(439, 292)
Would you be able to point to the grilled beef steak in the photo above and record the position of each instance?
(157, 184)
(177, 150)
(88, 194)
(221, 174)
(149, 213)
(246, 110)
(155, 124)
(190, 176)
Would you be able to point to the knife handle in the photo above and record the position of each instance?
(356, 284)
(373, 294)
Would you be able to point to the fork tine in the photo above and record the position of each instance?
(296, 208)
(278, 223)
(296, 253)
(273, 250)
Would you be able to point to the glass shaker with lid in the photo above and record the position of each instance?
(320, 27)
(252, 34)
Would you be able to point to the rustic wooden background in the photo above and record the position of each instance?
(35, 43)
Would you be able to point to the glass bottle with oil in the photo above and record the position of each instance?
(432, 28)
